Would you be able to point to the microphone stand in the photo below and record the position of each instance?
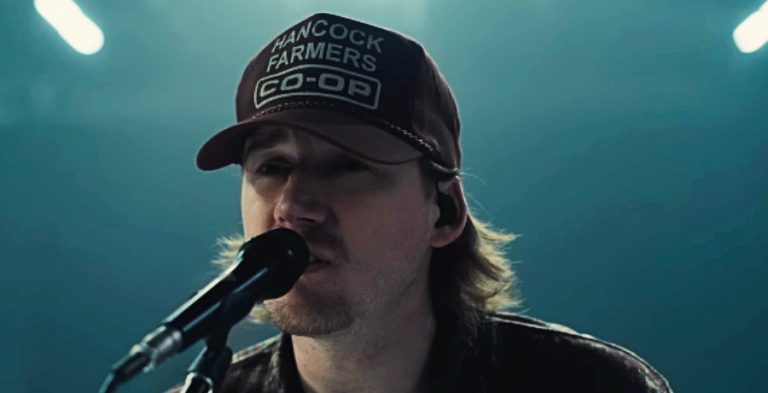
(207, 371)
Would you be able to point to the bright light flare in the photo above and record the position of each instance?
(72, 25)
(751, 34)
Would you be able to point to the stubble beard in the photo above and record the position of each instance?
(305, 312)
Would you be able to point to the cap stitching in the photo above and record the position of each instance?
(410, 136)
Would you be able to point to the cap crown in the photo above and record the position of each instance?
(381, 76)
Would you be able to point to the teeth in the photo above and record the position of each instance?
(313, 260)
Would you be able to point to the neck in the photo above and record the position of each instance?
(374, 356)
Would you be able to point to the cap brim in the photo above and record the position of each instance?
(345, 131)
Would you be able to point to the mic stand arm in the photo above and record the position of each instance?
(207, 371)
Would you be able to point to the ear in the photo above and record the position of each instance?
(446, 234)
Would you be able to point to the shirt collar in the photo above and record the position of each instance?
(451, 353)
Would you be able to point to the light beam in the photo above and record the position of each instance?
(751, 34)
(79, 31)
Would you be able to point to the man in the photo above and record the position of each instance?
(349, 134)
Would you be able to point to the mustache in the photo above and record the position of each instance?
(318, 238)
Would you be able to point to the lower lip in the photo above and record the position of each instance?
(316, 267)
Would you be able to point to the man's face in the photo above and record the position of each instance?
(370, 225)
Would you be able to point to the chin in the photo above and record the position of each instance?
(300, 314)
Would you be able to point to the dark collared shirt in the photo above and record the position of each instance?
(509, 353)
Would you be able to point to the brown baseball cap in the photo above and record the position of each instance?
(369, 90)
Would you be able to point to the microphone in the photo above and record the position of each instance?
(265, 267)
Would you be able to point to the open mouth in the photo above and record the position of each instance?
(316, 264)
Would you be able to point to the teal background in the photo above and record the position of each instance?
(626, 141)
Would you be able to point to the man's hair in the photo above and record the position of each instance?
(467, 278)
(472, 275)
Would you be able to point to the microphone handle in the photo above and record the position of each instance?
(207, 372)
(197, 384)
(194, 319)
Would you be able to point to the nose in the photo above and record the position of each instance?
(302, 203)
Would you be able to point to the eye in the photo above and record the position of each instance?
(274, 167)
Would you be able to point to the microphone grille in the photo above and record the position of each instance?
(285, 254)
